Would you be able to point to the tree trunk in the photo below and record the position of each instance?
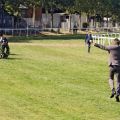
(80, 25)
(88, 16)
(52, 21)
(33, 17)
(40, 17)
(70, 23)
(107, 19)
(46, 19)
(95, 20)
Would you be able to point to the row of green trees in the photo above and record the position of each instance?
(96, 8)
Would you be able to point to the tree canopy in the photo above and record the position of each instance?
(107, 8)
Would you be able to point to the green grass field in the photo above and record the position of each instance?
(55, 80)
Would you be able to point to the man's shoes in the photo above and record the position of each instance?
(117, 98)
(112, 95)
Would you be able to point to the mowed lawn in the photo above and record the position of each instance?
(55, 80)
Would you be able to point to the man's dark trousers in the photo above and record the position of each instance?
(114, 70)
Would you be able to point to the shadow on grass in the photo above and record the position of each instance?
(46, 37)
(13, 54)
(11, 58)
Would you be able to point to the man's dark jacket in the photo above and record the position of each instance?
(114, 51)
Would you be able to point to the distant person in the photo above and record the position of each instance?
(114, 66)
(5, 51)
(59, 26)
(88, 40)
(75, 28)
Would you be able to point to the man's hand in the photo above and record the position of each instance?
(94, 43)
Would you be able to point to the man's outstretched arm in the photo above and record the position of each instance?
(101, 46)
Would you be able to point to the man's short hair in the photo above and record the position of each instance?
(117, 41)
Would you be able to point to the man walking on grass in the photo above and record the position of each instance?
(88, 40)
(114, 66)
(5, 50)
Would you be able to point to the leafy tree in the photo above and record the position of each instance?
(115, 10)
(50, 5)
(101, 8)
(68, 6)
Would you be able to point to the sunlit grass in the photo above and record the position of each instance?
(55, 80)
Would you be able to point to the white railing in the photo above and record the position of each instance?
(102, 29)
(105, 38)
(25, 31)
(21, 31)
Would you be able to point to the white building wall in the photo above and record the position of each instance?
(83, 19)
(46, 21)
(56, 20)
(30, 22)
